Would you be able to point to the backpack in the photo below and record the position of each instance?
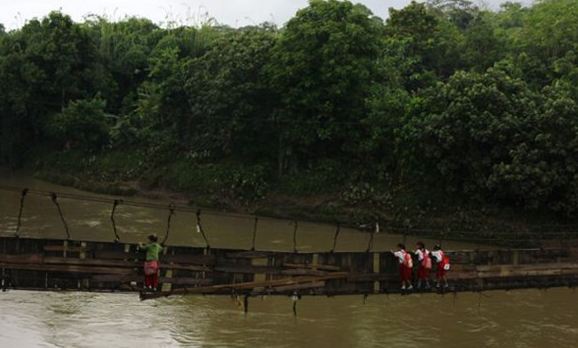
(426, 261)
(407, 260)
(446, 262)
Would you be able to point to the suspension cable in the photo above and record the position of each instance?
(201, 230)
(19, 222)
(54, 199)
(169, 218)
(337, 230)
(114, 205)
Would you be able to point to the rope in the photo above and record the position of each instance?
(19, 223)
(295, 236)
(201, 230)
(114, 205)
(337, 230)
(254, 233)
(171, 213)
(471, 236)
(370, 242)
(54, 199)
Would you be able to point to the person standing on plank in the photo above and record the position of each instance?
(443, 265)
(405, 267)
(151, 264)
(424, 259)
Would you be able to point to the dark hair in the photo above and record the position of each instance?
(437, 247)
(401, 246)
(420, 245)
(153, 238)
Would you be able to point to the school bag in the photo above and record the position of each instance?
(426, 261)
(407, 260)
(446, 262)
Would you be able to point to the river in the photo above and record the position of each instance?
(529, 318)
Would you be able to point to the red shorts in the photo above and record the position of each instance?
(423, 273)
(441, 272)
(151, 267)
(405, 273)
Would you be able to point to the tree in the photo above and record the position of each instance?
(323, 67)
(81, 124)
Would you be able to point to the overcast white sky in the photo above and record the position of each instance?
(14, 13)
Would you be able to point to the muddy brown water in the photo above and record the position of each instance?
(529, 318)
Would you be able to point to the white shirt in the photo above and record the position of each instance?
(438, 255)
(400, 255)
(420, 254)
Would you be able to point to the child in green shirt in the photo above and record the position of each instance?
(151, 265)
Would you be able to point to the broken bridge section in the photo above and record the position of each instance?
(69, 265)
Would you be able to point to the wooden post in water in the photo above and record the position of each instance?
(376, 270)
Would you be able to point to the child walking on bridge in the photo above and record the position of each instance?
(405, 267)
(443, 265)
(425, 265)
(151, 265)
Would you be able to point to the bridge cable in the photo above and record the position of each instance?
(370, 242)
(19, 223)
(254, 233)
(337, 230)
(201, 230)
(54, 199)
(169, 218)
(114, 205)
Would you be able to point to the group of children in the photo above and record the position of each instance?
(425, 260)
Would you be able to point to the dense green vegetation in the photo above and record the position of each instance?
(442, 103)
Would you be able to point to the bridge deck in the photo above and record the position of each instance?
(48, 264)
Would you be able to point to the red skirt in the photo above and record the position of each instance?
(405, 273)
(151, 267)
(441, 272)
(423, 273)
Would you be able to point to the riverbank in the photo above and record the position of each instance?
(237, 188)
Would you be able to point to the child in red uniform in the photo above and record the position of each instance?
(443, 265)
(405, 267)
(424, 259)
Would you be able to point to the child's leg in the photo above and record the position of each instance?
(155, 280)
(147, 281)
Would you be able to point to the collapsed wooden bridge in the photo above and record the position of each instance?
(83, 265)
(50, 264)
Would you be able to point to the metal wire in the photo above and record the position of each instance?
(54, 199)
(114, 205)
(19, 222)
(170, 217)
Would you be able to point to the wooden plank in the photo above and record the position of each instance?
(249, 254)
(186, 267)
(21, 258)
(91, 262)
(304, 286)
(65, 248)
(65, 268)
(127, 278)
(190, 259)
(118, 255)
(247, 269)
(319, 267)
(303, 272)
